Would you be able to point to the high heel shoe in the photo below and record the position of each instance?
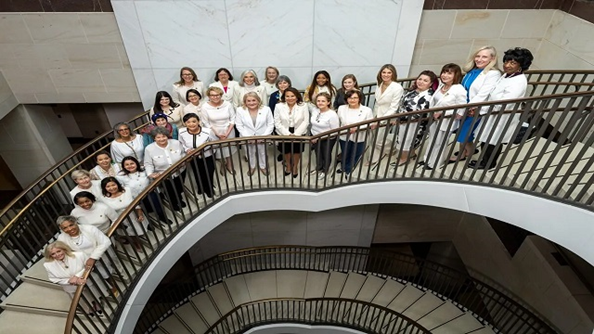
(251, 172)
(230, 170)
(264, 171)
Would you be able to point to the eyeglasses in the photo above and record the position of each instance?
(214, 95)
(122, 130)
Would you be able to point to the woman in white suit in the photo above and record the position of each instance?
(388, 94)
(254, 119)
(248, 83)
(499, 128)
(481, 76)
(449, 93)
(291, 118)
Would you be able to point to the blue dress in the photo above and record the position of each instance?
(466, 131)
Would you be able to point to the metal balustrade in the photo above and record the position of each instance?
(354, 314)
(552, 159)
(492, 306)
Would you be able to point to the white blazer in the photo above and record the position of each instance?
(245, 125)
(387, 102)
(282, 117)
(483, 85)
(456, 95)
(59, 274)
(90, 232)
(506, 89)
(180, 91)
(241, 91)
(231, 88)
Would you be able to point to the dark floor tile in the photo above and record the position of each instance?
(105, 5)
(466, 4)
(10, 6)
(513, 4)
(71, 5)
(566, 5)
(584, 10)
(551, 4)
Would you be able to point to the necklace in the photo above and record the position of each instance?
(64, 263)
(444, 89)
(78, 240)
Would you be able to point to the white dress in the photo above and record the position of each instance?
(218, 119)
(132, 148)
(119, 204)
(99, 215)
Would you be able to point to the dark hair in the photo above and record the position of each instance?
(101, 153)
(222, 69)
(192, 90)
(133, 159)
(352, 92)
(294, 91)
(451, 67)
(160, 94)
(432, 76)
(181, 77)
(84, 194)
(520, 55)
(349, 76)
(104, 183)
(190, 115)
(314, 83)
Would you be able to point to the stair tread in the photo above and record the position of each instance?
(405, 298)
(261, 285)
(440, 315)
(484, 330)
(39, 297)
(38, 275)
(423, 306)
(291, 283)
(191, 318)
(370, 288)
(238, 290)
(352, 285)
(335, 283)
(221, 298)
(387, 293)
(206, 307)
(15, 322)
(173, 325)
(463, 324)
(316, 284)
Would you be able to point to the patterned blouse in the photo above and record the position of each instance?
(414, 101)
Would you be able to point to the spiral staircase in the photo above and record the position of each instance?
(552, 158)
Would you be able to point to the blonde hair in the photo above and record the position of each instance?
(252, 94)
(493, 65)
(77, 174)
(214, 89)
(59, 245)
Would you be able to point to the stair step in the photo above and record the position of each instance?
(408, 296)
(238, 290)
(206, 307)
(484, 330)
(261, 285)
(463, 324)
(439, 316)
(388, 292)
(315, 284)
(221, 298)
(427, 303)
(15, 322)
(370, 288)
(38, 275)
(37, 299)
(291, 283)
(352, 286)
(172, 325)
(157, 331)
(335, 283)
(188, 315)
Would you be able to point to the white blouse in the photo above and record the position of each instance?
(350, 116)
(218, 118)
(95, 190)
(119, 204)
(192, 141)
(174, 115)
(231, 87)
(98, 173)
(179, 92)
(192, 109)
(158, 159)
(99, 215)
(132, 148)
(284, 118)
(61, 272)
(323, 121)
(134, 182)
(90, 241)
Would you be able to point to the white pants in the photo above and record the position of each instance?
(382, 145)
(260, 151)
(405, 143)
(435, 154)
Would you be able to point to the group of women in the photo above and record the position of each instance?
(184, 121)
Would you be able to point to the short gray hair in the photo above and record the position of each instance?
(159, 131)
(117, 127)
(67, 218)
(77, 174)
(285, 79)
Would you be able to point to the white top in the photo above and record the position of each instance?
(95, 190)
(99, 215)
(388, 102)
(97, 173)
(174, 115)
(483, 85)
(133, 148)
(231, 87)
(179, 92)
(241, 91)
(284, 118)
(264, 122)
(134, 182)
(270, 88)
(323, 121)
(350, 116)
(59, 274)
(190, 108)
(218, 118)
(119, 204)
(192, 141)
(456, 95)
(158, 159)
(90, 241)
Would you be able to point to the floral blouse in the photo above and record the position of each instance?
(415, 101)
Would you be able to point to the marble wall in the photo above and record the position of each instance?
(7, 99)
(297, 36)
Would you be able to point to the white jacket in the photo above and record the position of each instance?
(282, 118)
(245, 125)
(456, 95)
(387, 102)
